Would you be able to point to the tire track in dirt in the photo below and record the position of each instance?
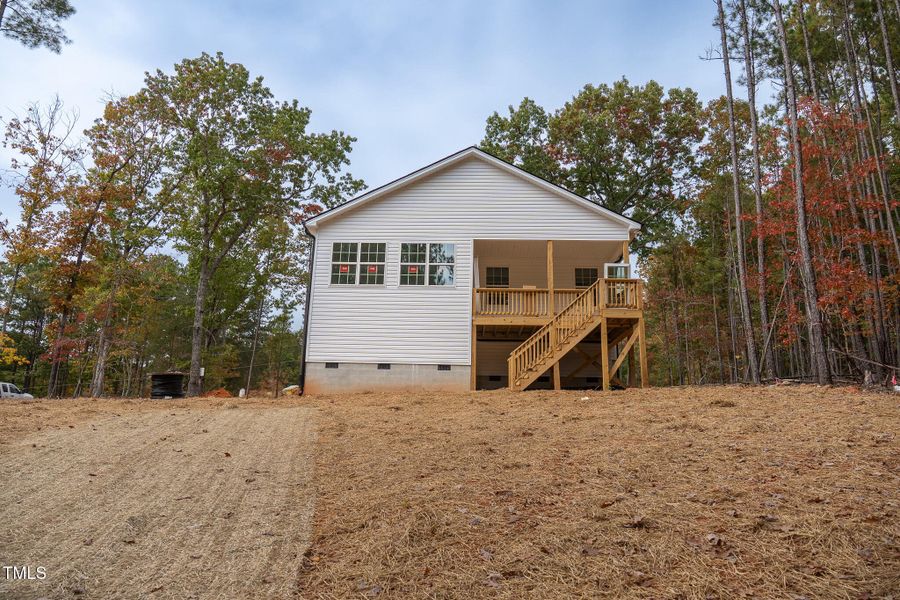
(202, 503)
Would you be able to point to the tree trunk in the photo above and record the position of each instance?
(56, 355)
(807, 272)
(888, 59)
(718, 341)
(743, 296)
(103, 343)
(195, 386)
(259, 312)
(12, 295)
(809, 61)
(768, 351)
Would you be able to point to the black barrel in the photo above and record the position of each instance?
(167, 385)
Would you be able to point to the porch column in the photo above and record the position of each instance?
(473, 384)
(551, 307)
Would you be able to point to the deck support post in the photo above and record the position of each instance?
(632, 375)
(645, 372)
(604, 353)
(551, 308)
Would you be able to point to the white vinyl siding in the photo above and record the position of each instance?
(393, 323)
(469, 200)
(473, 199)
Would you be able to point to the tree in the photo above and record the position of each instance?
(36, 23)
(768, 352)
(807, 272)
(128, 151)
(236, 159)
(42, 175)
(752, 364)
(522, 138)
(627, 147)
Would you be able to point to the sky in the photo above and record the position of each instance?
(412, 81)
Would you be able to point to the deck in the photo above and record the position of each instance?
(525, 308)
(552, 322)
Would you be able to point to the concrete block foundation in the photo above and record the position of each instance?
(348, 378)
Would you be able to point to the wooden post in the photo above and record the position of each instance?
(474, 382)
(604, 353)
(645, 372)
(632, 375)
(551, 301)
(625, 257)
(551, 307)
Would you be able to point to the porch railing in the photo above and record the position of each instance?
(531, 302)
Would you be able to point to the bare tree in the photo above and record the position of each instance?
(744, 297)
(807, 272)
(750, 70)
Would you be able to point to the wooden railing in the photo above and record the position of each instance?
(521, 302)
(623, 293)
(544, 343)
(531, 302)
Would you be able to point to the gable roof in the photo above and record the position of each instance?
(475, 152)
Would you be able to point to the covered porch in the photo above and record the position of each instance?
(575, 298)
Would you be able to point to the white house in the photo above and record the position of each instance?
(471, 273)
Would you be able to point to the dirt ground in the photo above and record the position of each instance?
(715, 492)
(137, 500)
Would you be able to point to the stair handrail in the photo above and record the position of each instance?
(556, 331)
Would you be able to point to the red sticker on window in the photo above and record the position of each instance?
(414, 269)
(345, 268)
(373, 269)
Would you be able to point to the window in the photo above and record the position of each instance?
(585, 277)
(412, 264)
(371, 264)
(497, 277)
(434, 260)
(618, 270)
(443, 367)
(343, 262)
(384, 367)
(440, 263)
(350, 258)
(331, 365)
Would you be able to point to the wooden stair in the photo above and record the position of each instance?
(552, 341)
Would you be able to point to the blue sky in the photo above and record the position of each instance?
(413, 81)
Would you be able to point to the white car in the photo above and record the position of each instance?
(9, 390)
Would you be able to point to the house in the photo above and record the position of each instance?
(471, 273)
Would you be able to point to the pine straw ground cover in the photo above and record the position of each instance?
(718, 492)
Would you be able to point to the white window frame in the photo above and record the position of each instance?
(427, 264)
(358, 264)
(627, 266)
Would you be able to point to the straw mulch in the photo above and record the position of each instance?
(718, 492)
